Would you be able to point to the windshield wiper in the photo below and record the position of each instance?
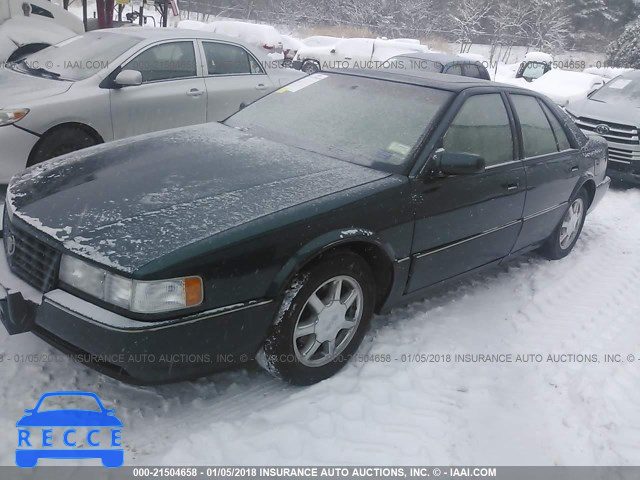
(38, 71)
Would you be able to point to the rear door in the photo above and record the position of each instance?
(172, 93)
(466, 221)
(552, 167)
(233, 77)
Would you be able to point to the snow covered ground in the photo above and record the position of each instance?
(565, 412)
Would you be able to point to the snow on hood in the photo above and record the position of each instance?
(128, 203)
(607, 112)
(21, 90)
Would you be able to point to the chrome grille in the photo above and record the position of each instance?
(30, 259)
(618, 133)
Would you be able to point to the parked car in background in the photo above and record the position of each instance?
(290, 47)
(259, 35)
(29, 26)
(534, 66)
(279, 233)
(320, 41)
(111, 84)
(438, 63)
(352, 53)
(612, 112)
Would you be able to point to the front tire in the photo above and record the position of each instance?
(60, 142)
(565, 236)
(323, 318)
(310, 67)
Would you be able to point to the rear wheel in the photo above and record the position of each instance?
(324, 316)
(60, 142)
(566, 234)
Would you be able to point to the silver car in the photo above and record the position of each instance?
(111, 84)
(612, 112)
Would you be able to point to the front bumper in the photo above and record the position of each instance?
(130, 350)
(15, 146)
(627, 171)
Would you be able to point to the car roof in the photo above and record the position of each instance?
(437, 57)
(168, 33)
(442, 81)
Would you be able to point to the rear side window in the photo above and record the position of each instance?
(482, 127)
(454, 70)
(224, 59)
(561, 136)
(537, 136)
(165, 62)
(471, 71)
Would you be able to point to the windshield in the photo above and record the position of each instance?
(79, 57)
(370, 122)
(619, 90)
(69, 402)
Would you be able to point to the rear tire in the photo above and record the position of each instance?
(61, 141)
(322, 321)
(565, 236)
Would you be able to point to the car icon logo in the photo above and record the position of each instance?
(603, 129)
(49, 431)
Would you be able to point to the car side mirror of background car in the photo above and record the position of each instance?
(458, 163)
(333, 50)
(128, 78)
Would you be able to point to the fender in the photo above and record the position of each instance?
(322, 244)
(587, 179)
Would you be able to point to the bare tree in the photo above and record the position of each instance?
(548, 24)
(467, 20)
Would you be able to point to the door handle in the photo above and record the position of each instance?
(194, 92)
(261, 86)
(348, 58)
(574, 168)
(512, 186)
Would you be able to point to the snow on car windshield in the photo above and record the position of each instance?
(370, 122)
(69, 402)
(83, 56)
(619, 90)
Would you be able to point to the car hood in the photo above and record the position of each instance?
(69, 418)
(128, 203)
(21, 90)
(608, 112)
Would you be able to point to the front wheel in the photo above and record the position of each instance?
(566, 234)
(310, 67)
(323, 318)
(60, 142)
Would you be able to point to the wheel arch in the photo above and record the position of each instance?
(378, 255)
(83, 126)
(587, 183)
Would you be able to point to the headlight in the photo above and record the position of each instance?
(134, 295)
(11, 116)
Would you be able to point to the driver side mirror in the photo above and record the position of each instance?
(128, 78)
(458, 163)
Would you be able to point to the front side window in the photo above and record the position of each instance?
(165, 62)
(224, 59)
(537, 135)
(482, 127)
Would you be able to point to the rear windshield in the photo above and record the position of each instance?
(374, 123)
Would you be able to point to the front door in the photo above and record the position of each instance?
(467, 221)
(172, 93)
